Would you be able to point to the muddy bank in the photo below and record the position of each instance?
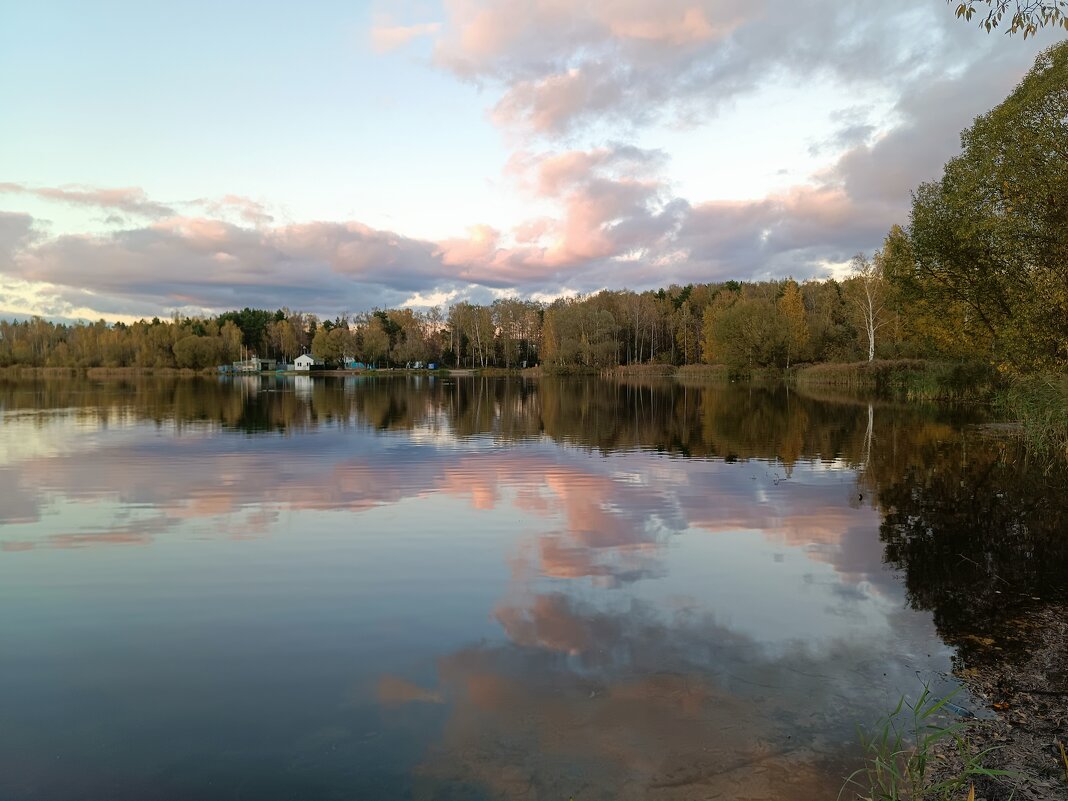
(1019, 669)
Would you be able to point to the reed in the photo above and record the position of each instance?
(1039, 403)
(910, 379)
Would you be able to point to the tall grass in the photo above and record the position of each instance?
(900, 754)
(912, 379)
(1040, 404)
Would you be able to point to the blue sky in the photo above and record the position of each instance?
(338, 156)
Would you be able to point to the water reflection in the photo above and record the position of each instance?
(485, 588)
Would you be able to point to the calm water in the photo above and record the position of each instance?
(466, 588)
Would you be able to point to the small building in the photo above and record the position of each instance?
(253, 365)
(305, 362)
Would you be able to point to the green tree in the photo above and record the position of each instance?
(992, 234)
(253, 324)
(751, 332)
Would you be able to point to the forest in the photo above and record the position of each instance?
(978, 273)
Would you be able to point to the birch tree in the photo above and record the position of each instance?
(870, 296)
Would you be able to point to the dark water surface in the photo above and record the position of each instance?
(463, 588)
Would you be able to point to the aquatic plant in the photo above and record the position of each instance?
(902, 748)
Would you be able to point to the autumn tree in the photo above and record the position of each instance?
(507, 317)
(474, 324)
(198, 352)
(711, 342)
(409, 343)
(792, 308)
(332, 344)
(283, 338)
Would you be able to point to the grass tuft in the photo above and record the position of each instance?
(900, 751)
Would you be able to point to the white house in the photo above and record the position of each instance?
(306, 362)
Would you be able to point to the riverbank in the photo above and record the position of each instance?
(1019, 670)
(21, 372)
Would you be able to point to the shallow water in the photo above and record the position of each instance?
(274, 588)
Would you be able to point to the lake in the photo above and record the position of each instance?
(468, 588)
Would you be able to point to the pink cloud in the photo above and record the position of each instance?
(546, 104)
(610, 201)
(479, 247)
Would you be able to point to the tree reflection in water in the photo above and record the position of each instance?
(626, 695)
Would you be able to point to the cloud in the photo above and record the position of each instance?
(605, 214)
(209, 263)
(609, 203)
(128, 200)
(246, 209)
(16, 233)
(931, 114)
(563, 67)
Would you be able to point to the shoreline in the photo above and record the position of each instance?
(1019, 671)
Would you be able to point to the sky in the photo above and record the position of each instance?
(333, 157)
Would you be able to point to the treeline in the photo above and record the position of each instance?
(743, 324)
